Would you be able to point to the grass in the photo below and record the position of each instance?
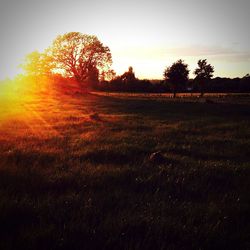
(69, 181)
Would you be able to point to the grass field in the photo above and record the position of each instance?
(75, 173)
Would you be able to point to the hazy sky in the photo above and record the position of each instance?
(146, 34)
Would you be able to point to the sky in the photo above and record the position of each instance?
(148, 35)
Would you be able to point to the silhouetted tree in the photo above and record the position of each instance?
(129, 76)
(203, 73)
(80, 55)
(176, 75)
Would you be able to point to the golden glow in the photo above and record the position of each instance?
(39, 106)
(19, 97)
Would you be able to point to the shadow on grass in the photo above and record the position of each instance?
(170, 109)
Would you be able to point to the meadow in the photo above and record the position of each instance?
(75, 172)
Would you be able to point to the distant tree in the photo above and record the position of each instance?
(203, 73)
(38, 64)
(80, 56)
(129, 76)
(176, 75)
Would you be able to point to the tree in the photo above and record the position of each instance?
(38, 64)
(80, 56)
(203, 73)
(129, 76)
(176, 75)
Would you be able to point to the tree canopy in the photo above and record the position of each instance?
(79, 55)
(204, 72)
(129, 76)
(176, 75)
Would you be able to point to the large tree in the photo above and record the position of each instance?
(176, 75)
(203, 73)
(81, 56)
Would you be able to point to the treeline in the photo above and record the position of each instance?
(214, 85)
(176, 79)
(137, 85)
(84, 60)
(223, 84)
(127, 82)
